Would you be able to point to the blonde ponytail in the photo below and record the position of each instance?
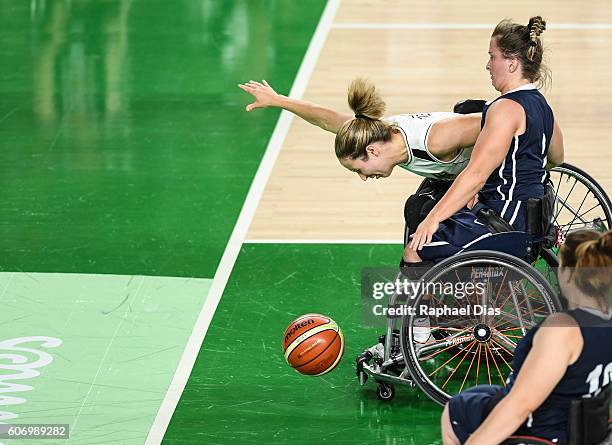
(364, 99)
(355, 135)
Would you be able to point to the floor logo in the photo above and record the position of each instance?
(20, 361)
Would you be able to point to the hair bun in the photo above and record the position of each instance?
(536, 26)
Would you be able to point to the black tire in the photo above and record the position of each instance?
(458, 330)
(600, 198)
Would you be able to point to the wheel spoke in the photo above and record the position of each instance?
(470, 367)
(496, 366)
(488, 366)
(505, 340)
(577, 212)
(478, 364)
(459, 364)
(445, 343)
(569, 193)
(502, 355)
(446, 362)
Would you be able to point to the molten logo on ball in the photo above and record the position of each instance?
(297, 326)
(313, 344)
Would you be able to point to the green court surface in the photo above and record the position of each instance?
(96, 352)
(118, 128)
(241, 391)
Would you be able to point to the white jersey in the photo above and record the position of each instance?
(415, 129)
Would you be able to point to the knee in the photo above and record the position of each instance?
(416, 209)
(411, 256)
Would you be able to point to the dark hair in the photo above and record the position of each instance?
(524, 43)
(568, 250)
(590, 254)
(355, 135)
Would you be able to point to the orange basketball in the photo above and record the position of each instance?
(313, 344)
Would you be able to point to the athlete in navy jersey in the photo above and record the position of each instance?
(583, 378)
(522, 173)
(519, 137)
(565, 358)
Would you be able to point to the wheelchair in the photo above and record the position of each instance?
(517, 277)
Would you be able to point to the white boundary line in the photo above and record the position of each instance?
(160, 424)
(323, 241)
(489, 26)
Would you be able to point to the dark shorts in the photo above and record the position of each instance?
(468, 409)
(463, 230)
(454, 235)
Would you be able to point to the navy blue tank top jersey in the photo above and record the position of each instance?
(584, 378)
(522, 174)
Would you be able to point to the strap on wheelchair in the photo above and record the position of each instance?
(494, 222)
(588, 419)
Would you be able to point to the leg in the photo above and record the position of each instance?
(418, 206)
(464, 413)
(411, 256)
(454, 235)
(448, 435)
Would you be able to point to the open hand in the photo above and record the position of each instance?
(423, 234)
(264, 95)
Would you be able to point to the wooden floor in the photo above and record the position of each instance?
(425, 56)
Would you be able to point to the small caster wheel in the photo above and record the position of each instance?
(385, 391)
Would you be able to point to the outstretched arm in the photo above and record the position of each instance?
(322, 117)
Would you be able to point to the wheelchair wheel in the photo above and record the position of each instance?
(580, 201)
(480, 304)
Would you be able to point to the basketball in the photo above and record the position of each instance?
(313, 344)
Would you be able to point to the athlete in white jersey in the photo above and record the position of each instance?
(431, 145)
(415, 128)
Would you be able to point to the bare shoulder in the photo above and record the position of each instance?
(560, 319)
(506, 114)
(505, 107)
(453, 133)
(561, 333)
(559, 327)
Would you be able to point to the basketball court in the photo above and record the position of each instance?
(156, 239)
